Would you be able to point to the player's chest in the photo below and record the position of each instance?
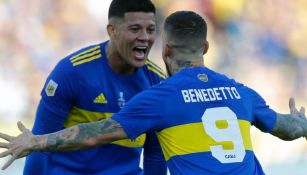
(107, 94)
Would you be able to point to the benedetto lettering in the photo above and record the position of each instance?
(209, 94)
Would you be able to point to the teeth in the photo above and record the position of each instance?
(139, 52)
(140, 47)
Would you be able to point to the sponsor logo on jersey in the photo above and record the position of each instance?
(100, 99)
(51, 88)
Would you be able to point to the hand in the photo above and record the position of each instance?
(296, 113)
(18, 146)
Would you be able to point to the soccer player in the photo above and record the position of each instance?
(202, 117)
(94, 83)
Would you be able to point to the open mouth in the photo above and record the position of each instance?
(140, 52)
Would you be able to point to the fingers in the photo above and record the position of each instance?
(16, 154)
(292, 107)
(294, 111)
(5, 153)
(291, 102)
(302, 111)
(22, 127)
(4, 145)
(9, 162)
(5, 136)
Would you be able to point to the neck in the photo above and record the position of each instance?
(187, 59)
(188, 63)
(179, 63)
(116, 62)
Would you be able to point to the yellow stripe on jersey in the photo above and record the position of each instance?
(86, 56)
(85, 52)
(153, 64)
(192, 138)
(157, 72)
(78, 116)
(154, 68)
(87, 60)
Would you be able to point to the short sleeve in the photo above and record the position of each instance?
(144, 112)
(59, 90)
(264, 116)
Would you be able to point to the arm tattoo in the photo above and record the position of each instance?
(82, 136)
(289, 127)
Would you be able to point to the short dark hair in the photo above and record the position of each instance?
(118, 8)
(186, 29)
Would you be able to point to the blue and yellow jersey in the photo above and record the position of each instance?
(83, 88)
(203, 122)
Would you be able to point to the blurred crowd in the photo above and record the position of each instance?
(258, 42)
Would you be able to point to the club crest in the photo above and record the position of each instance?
(203, 77)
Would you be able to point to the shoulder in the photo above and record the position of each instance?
(76, 60)
(222, 80)
(154, 69)
(167, 87)
(85, 55)
(249, 92)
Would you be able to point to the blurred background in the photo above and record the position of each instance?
(261, 43)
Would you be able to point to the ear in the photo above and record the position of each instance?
(111, 30)
(206, 47)
(167, 50)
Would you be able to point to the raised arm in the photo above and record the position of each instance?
(78, 137)
(291, 126)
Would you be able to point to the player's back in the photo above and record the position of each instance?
(206, 124)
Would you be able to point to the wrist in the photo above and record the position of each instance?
(36, 143)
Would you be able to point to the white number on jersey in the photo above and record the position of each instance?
(230, 133)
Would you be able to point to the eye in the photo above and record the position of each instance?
(134, 29)
(151, 30)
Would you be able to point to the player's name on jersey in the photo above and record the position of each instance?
(209, 94)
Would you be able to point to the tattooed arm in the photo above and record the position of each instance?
(81, 136)
(291, 126)
(78, 137)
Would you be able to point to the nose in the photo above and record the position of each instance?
(144, 36)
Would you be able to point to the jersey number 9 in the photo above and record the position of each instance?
(230, 131)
